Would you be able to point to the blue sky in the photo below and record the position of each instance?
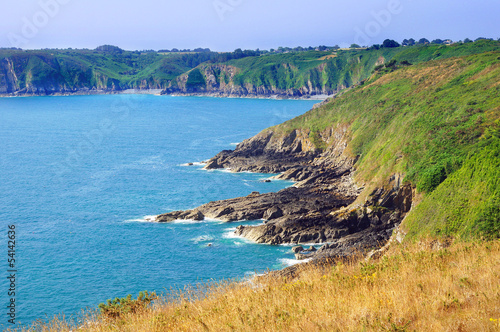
(225, 25)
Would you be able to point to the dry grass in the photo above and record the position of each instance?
(418, 287)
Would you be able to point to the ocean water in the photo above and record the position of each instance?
(79, 175)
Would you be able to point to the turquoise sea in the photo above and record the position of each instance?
(79, 175)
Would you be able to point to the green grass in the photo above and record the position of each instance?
(333, 71)
(324, 71)
(436, 123)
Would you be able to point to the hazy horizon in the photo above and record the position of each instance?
(225, 25)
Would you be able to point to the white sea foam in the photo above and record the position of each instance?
(186, 221)
(143, 219)
(234, 143)
(302, 244)
(220, 221)
(191, 221)
(195, 163)
(290, 261)
(202, 238)
(229, 234)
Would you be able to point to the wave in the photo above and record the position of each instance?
(190, 221)
(195, 163)
(290, 261)
(151, 218)
(187, 221)
(229, 234)
(202, 238)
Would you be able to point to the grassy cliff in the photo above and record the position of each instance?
(438, 125)
(328, 72)
(287, 74)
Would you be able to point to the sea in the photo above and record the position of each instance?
(80, 177)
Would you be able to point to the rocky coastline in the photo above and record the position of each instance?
(320, 208)
(159, 92)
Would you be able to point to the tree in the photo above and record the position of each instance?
(408, 42)
(109, 48)
(389, 43)
(355, 46)
(423, 41)
(437, 41)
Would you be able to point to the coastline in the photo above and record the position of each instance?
(161, 92)
(320, 208)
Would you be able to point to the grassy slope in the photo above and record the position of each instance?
(323, 70)
(82, 68)
(335, 70)
(411, 288)
(438, 124)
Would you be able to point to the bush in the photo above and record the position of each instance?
(195, 79)
(118, 307)
(389, 43)
(431, 178)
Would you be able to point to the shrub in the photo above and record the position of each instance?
(118, 307)
(432, 177)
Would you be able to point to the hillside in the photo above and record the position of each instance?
(311, 73)
(417, 144)
(294, 74)
(437, 125)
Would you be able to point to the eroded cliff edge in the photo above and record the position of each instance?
(321, 207)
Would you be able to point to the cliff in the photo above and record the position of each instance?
(286, 75)
(382, 152)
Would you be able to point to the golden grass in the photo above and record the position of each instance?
(416, 287)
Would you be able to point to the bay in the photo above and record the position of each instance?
(80, 173)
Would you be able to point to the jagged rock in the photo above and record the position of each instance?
(196, 215)
(297, 249)
(317, 208)
(273, 213)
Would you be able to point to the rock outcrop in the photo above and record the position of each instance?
(318, 207)
(220, 81)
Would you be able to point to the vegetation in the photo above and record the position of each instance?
(126, 305)
(438, 124)
(424, 286)
(321, 70)
(430, 112)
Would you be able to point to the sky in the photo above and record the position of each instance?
(224, 25)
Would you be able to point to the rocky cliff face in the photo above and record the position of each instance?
(318, 208)
(8, 78)
(43, 75)
(221, 80)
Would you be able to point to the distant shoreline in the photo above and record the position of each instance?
(160, 92)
